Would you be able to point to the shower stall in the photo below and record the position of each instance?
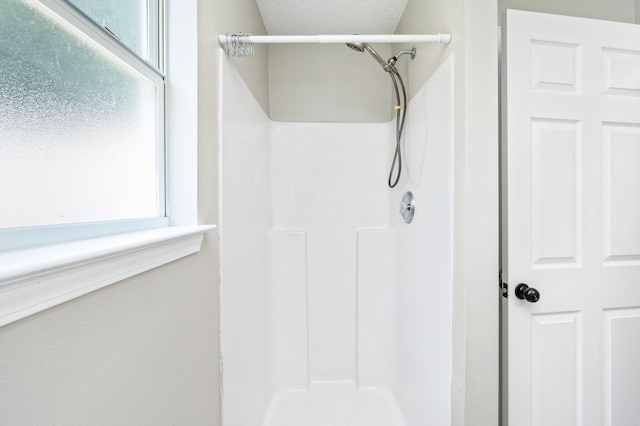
(334, 310)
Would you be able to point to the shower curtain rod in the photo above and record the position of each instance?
(243, 41)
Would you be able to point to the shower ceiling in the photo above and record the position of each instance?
(331, 16)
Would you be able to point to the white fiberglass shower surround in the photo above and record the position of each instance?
(334, 310)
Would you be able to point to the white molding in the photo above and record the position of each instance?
(35, 279)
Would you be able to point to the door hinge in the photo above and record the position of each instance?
(504, 287)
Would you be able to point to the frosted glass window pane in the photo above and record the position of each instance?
(126, 18)
(77, 128)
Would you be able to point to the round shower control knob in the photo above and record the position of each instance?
(408, 207)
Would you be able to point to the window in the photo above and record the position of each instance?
(82, 146)
(81, 112)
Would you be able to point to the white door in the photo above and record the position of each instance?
(571, 220)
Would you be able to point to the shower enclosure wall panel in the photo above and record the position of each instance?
(245, 218)
(324, 191)
(322, 177)
(287, 300)
(425, 256)
(329, 314)
(376, 308)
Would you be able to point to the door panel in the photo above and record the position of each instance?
(621, 191)
(621, 367)
(571, 218)
(555, 368)
(556, 167)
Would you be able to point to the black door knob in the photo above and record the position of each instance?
(527, 293)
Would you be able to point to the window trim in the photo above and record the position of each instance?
(33, 236)
(38, 278)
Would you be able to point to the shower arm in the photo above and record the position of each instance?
(392, 61)
(230, 41)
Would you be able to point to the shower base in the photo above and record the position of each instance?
(334, 404)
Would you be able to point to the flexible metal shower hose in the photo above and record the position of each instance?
(401, 112)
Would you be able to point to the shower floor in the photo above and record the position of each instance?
(334, 404)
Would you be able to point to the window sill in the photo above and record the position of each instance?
(35, 279)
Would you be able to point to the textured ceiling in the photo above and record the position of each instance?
(331, 16)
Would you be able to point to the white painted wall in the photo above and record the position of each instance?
(137, 352)
(479, 264)
(426, 17)
(328, 83)
(233, 16)
(609, 10)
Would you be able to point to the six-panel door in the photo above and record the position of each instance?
(571, 188)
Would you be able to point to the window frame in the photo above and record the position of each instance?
(155, 74)
(20, 237)
(48, 266)
(87, 25)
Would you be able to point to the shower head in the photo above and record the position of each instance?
(358, 47)
(361, 47)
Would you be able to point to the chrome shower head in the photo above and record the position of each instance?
(358, 47)
(361, 47)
